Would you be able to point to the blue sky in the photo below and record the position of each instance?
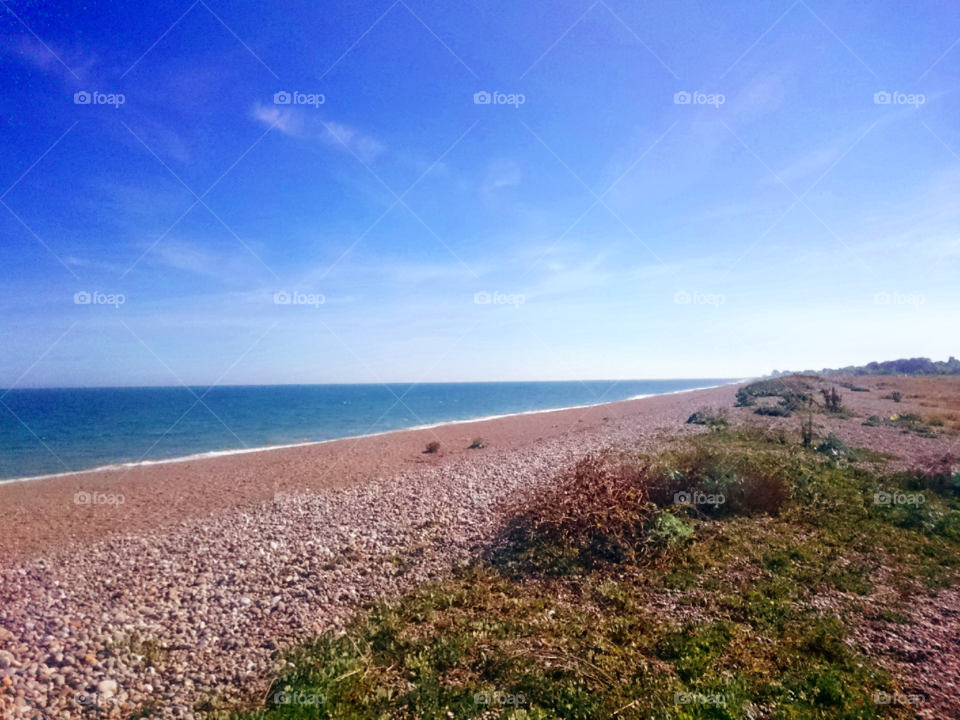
(807, 225)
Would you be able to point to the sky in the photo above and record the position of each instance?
(587, 223)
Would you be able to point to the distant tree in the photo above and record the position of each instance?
(903, 366)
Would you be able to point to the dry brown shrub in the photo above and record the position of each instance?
(601, 507)
(606, 506)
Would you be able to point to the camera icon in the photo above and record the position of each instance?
(682, 698)
(281, 298)
(881, 698)
(82, 498)
(81, 298)
(481, 98)
(482, 698)
(881, 98)
(281, 98)
(481, 298)
(282, 698)
(81, 98)
(682, 498)
(882, 498)
(881, 298)
(681, 98)
(681, 298)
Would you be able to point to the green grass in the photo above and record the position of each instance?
(722, 609)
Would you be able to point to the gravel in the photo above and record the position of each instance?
(202, 612)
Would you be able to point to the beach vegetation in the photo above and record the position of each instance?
(908, 423)
(793, 392)
(806, 431)
(432, 447)
(714, 418)
(605, 598)
(853, 387)
(832, 400)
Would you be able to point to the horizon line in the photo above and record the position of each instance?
(371, 384)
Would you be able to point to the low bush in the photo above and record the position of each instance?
(600, 508)
(794, 391)
(912, 422)
(715, 419)
(750, 483)
(906, 422)
(854, 388)
(833, 446)
(432, 447)
(939, 474)
(773, 410)
(611, 508)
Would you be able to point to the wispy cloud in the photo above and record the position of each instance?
(180, 256)
(52, 58)
(366, 146)
(298, 124)
(283, 119)
(503, 173)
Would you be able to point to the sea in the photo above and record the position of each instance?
(47, 432)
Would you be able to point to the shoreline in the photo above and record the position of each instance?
(215, 454)
(38, 518)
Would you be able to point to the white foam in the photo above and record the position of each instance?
(244, 451)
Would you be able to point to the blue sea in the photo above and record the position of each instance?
(51, 431)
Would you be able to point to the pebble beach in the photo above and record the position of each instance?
(196, 603)
(190, 605)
